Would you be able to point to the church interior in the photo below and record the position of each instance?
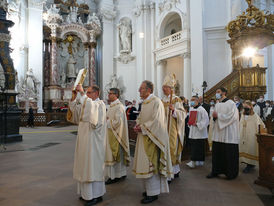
(205, 44)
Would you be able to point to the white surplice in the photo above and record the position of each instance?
(200, 130)
(226, 126)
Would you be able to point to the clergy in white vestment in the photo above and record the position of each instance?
(197, 133)
(249, 127)
(152, 161)
(117, 144)
(175, 116)
(225, 137)
(89, 112)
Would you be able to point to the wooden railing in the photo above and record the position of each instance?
(230, 82)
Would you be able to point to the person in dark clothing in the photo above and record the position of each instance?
(204, 105)
(239, 105)
(187, 141)
(31, 118)
(261, 104)
(131, 112)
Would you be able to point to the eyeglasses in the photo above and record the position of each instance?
(89, 92)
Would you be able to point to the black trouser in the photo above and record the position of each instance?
(225, 159)
(197, 147)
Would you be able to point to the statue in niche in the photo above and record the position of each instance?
(71, 68)
(125, 33)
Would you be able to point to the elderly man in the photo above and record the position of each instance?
(117, 146)
(152, 161)
(175, 116)
(89, 112)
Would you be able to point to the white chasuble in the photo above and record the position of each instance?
(248, 146)
(152, 152)
(117, 142)
(90, 144)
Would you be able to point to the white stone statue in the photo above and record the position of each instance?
(53, 10)
(116, 82)
(125, 32)
(73, 14)
(30, 80)
(80, 20)
(93, 19)
(71, 67)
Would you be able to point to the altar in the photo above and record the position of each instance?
(69, 45)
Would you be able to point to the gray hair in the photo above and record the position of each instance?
(149, 85)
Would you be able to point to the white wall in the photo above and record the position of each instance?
(197, 50)
(215, 13)
(217, 59)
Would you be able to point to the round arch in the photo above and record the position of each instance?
(165, 18)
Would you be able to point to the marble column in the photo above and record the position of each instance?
(152, 40)
(270, 72)
(160, 77)
(54, 76)
(92, 64)
(46, 63)
(35, 44)
(197, 50)
(187, 75)
(108, 14)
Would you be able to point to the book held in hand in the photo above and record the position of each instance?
(192, 118)
(80, 77)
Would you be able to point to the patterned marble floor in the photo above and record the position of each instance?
(38, 172)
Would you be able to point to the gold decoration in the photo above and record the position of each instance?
(251, 19)
(5, 60)
(2, 44)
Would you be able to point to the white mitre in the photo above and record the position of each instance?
(170, 80)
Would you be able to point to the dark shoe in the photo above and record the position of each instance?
(110, 181)
(80, 198)
(149, 199)
(169, 181)
(144, 194)
(176, 175)
(248, 168)
(211, 175)
(94, 201)
(124, 177)
(231, 178)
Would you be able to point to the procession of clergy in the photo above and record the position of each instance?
(102, 145)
